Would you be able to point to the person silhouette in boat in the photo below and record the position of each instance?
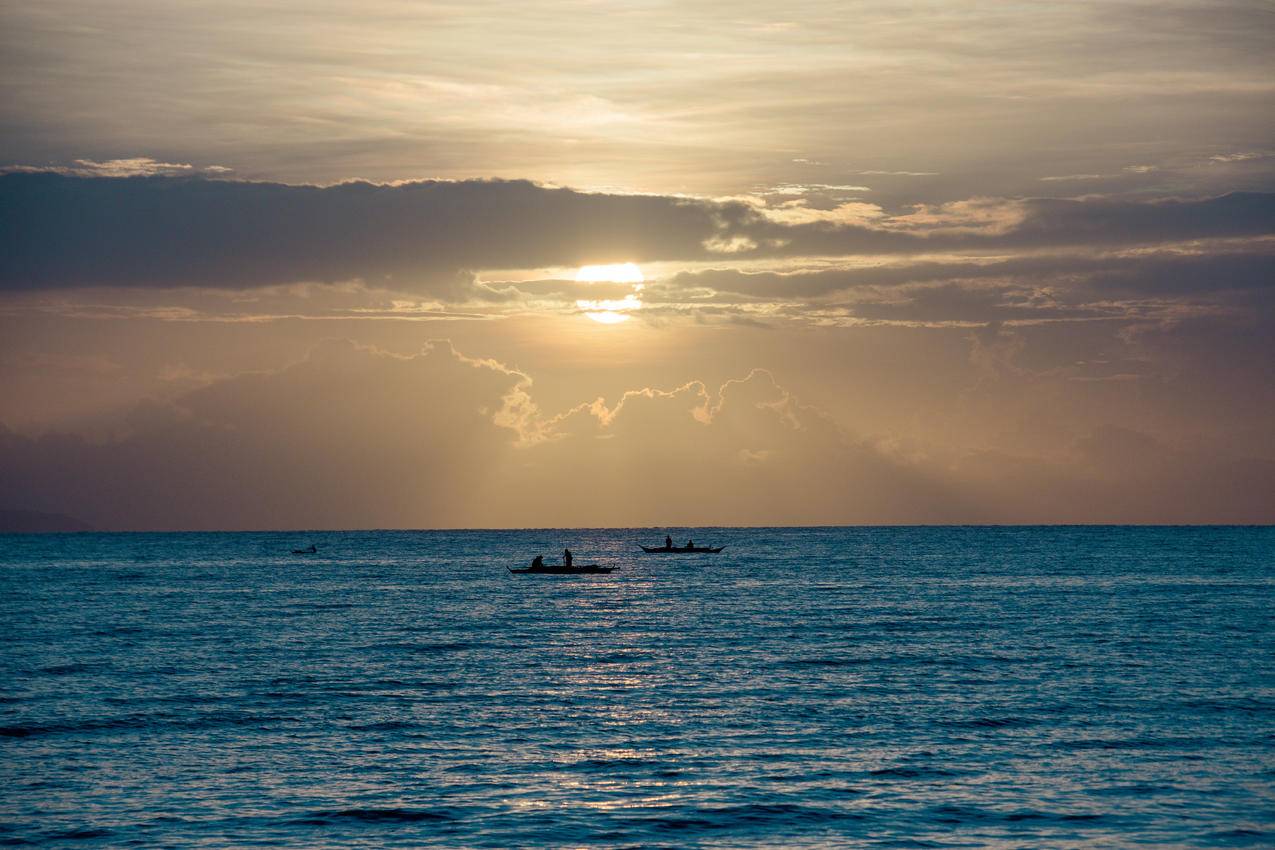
(668, 542)
(690, 544)
(566, 557)
(538, 562)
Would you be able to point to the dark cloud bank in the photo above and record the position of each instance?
(163, 232)
(63, 231)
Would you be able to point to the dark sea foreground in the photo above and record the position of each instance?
(876, 687)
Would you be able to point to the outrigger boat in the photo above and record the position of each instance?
(564, 570)
(681, 550)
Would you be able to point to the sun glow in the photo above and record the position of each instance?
(611, 311)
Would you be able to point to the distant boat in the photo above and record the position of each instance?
(681, 550)
(309, 550)
(564, 570)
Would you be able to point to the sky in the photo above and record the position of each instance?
(434, 265)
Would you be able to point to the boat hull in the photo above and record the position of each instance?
(559, 570)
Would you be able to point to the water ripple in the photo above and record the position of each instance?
(962, 687)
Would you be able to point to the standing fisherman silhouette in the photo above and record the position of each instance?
(668, 542)
(566, 557)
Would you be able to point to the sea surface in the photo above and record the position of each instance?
(852, 687)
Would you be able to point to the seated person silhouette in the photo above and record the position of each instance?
(690, 544)
(538, 561)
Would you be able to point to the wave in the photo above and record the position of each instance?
(829, 662)
(82, 834)
(444, 646)
(1142, 743)
(387, 726)
(610, 764)
(113, 631)
(65, 669)
(144, 721)
(955, 814)
(1241, 836)
(748, 814)
(1223, 705)
(328, 817)
(903, 772)
(991, 723)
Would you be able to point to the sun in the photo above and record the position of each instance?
(611, 311)
(613, 273)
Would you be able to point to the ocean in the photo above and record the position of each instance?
(829, 687)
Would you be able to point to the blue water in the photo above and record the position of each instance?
(925, 687)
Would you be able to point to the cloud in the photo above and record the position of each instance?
(165, 232)
(899, 173)
(428, 237)
(850, 212)
(1060, 178)
(1052, 286)
(998, 224)
(1113, 221)
(356, 437)
(990, 98)
(137, 166)
(1242, 156)
(557, 289)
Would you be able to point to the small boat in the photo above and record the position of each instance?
(681, 550)
(309, 550)
(564, 570)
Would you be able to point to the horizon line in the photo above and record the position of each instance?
(794, 526)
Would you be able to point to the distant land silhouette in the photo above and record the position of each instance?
(38, 522)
